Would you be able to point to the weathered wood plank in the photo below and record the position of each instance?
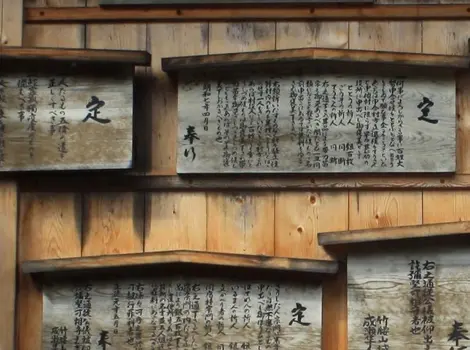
(418, 294)
(88, 264)
(393, 233)
(305, 13)
(8, 246)
(311, 56)
(48, 123)
(314, 123)
(77, 55)
(201, 313)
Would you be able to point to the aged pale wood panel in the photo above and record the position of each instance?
(316, 123)
(177, 312)
(65, 121)
(409, 298)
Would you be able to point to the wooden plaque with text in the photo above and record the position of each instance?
(409, 299)
(313, 122)
(66, 121)
(179, 313)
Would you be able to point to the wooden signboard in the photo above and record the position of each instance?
(65, 117)
(181, 313)
(409, 299)
(314, 121)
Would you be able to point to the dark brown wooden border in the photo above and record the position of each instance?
(313, 55)
(141, 58)
(394, 233)
(163, 258)
(111, 181)
(301, 13)
(111, 3)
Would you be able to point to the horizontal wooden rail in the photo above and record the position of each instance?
(75, 55)
(109, 182)
(313, 55)
(157, 259)
(393, 233)
(302, 13)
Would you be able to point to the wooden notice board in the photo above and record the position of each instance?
(316, 122)
(409, 299)
(182, 313)
(64, 109)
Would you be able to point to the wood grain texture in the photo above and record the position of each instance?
(292, 35)
(445, 206)
(303, 128)
(393, 233)
(312, 56)
(240, 223)
(299, 217)
(384, 284)
(49, 227)
(384, 209)
(236, 310)
(114, 222)
(89, 264)
(188, 14)
(223, 2)
(54, 3)
(176, 221)
(8, 247)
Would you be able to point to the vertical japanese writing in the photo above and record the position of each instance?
(300, 119)
(275, 96)
(309, 125)
(400, 117)
(154, 304)
(22, 85)
(317, 127)
(234, 156)
(63, 123)
(219, 112)
(260, 315)
(374, 105)
(162, 310)
(359, 90)
(195, 309)
(376, 332)
(251, 121)
(325, 127)
(382, 332)
(234, 313)
(367, 99)
(178, 312)
(220, 320)
(277, 317)
(82, 317)
(242, 103)
(421, 278)
(457, 334)
(170, 315)
(186, 314)
(208, 313)
(259, 110)
(58, 338)
(370, 330)
(31, 109)
(206, 94)
(3, 86)
(227, 121)
(135, 294)
(116, 307)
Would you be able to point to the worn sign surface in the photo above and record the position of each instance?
(319, 123)
(182, 314)
(411, 299)
(65, 122)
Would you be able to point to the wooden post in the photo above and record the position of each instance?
(11, 29)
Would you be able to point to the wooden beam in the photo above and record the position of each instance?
(310, 55)
(393, 233)
(225, 2)
(141, 58)
(109, 181)
(301, 13)
(159, 259)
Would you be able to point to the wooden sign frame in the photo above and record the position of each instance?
(67, 109)
(226, 291)
(297, 139)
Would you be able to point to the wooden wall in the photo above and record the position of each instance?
(54, 225)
